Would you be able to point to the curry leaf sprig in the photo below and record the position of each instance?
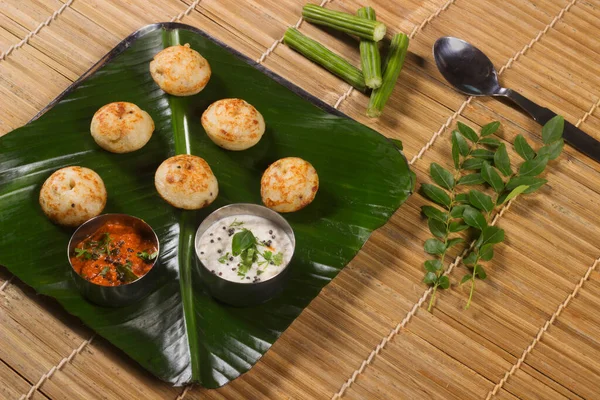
(524, 181)
(488, 157)
(445, 224)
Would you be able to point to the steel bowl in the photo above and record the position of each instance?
(236, 293)
(115, 296)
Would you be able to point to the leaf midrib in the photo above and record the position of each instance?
(186, 229)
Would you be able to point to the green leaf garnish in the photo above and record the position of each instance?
(457, 226)
(278, 259)
(434, 246)
(144, 255)
(462, 198)
(491, 142)
(523, 148)
(457, 210)
(502, 161)
(433, 265)
(533, 167)
(461, 143)
(471, 179)
(435, 213)
(82, 253)
(224, 258)
(470, 259)
(490, 128)
(444, 282)
(535, 186)
(105, 242)
(437, 228)
(552, 150)
(514, 193)
(104, 271)
(441, 176)
(453, 242)
(492, 235)
(487, 155)
(430, 278)
(486, 253)
(524, 181)
(481, 201)
(455, 152)
(553, 129)
(472, 163)
(436, 194)
(468, 132)
(125, 273)
(492, 177)
(236, 223)
(480, 272)
(474, 218)
(247, 258)
(242, 241)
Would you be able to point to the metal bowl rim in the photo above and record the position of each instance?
(107, 216)
(248, 205)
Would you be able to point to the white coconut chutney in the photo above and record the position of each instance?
(245, 249)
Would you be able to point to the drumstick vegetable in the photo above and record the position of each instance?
(393, 66)
(363, 28)
(369, 54)
(326, 58)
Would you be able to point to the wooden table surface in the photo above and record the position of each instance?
(533, 331)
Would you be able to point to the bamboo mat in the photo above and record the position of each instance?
(533, 331)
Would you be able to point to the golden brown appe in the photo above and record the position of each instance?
(289, 184)
(121, 127)
(233, 124)
(72, 195)
(187, 182)
(180, 70)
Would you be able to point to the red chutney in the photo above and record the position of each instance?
(114, 255)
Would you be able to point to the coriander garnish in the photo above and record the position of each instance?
(245, 245)
(278, 259)
(235, 223)
(224, 258)
(474, 210)
(105, 242)
(82, 253)
(275, 259)
(144, 255)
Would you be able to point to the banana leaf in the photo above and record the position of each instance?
(179, 333)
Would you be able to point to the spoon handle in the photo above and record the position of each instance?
(572, 135)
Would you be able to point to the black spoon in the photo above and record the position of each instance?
(470, 71)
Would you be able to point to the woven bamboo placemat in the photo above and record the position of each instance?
(533, 330)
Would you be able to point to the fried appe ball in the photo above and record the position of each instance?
(180, 70)
(121, 127)
(187, 182)
(72, 195)
(233, 124)
(289, 184)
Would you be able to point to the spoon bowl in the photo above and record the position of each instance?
(466, 67)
